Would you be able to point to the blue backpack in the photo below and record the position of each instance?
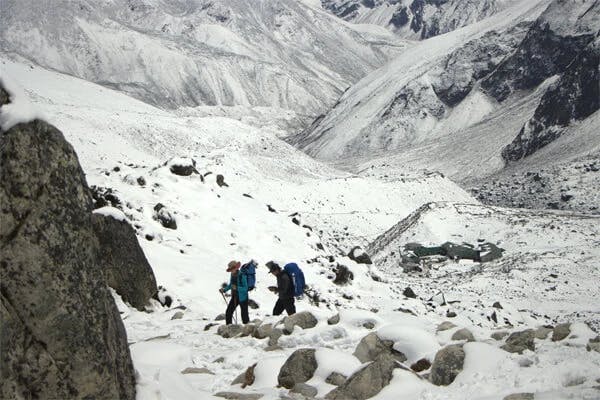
(249, 269)
(297, 276)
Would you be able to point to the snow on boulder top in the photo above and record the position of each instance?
(19, 109)
(109, 211)
(181, 162)
(413, 342)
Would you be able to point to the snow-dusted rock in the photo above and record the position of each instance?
(444, 326)
(196, 370)
(371, 347)
(594, 344)
(305, 390)
(366, 382)
(263, 331)
(298, 368)
(542, 332)
(499, 335)
(448, 363)
(463, 334)
(334, 319)
(360, 256)
(519, 396)
(239, 396)
(304, 320)
(182, 166)
(561, 331)
(335, 378)
(230, 331)
(164, 216)
(517, 342)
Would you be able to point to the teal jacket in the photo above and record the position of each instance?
(242, 286)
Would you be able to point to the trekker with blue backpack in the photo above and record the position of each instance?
(238, 283)
(290, 283)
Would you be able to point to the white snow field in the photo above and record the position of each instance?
(216, 224)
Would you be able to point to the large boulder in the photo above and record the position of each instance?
(298, 368)
(517, 342)
(366, 382)
(372, 346)
(61, 335)
(463, 334)
(126, 268)
(230, 331)
(448, 363)
(304, 320)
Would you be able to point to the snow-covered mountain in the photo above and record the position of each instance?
(281, 204)
(499, 86)
(415, 19)
(282, 54)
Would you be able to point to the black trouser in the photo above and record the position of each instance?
(284, 304)
(233, 303)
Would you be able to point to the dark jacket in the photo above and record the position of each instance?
(285, 287)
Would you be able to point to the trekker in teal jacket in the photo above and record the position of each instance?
(238, 284)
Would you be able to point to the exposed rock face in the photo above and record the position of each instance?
(575, 96)
(125, 266)
(372, 346)
(298, 368)
(471, 62)
(517, 342)
(61, 334)
(343, 275)
(366, 382)
(556, 38)
(447, 365)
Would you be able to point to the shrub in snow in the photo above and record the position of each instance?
(372, 346)
(517, 342)
(162, 215)
(298, 368)
(358, 255)
(448, 363)
(366, 382)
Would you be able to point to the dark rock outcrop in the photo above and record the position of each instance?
(61, 333)
(548, 49)
(125, 266)
(575, 96)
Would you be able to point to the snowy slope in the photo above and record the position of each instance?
(280, 53)
(120, 139)
(397, 106)
(415, 19)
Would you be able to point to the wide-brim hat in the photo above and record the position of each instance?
(233, 265)
(273, 266)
